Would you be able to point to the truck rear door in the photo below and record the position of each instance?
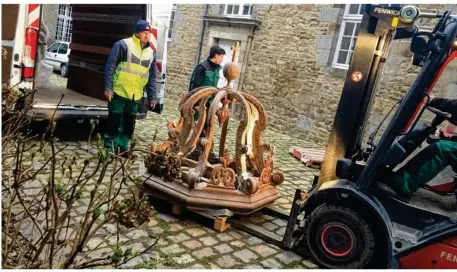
(159, 44)
(95, 29)
(13, 29)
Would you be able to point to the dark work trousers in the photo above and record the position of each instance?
(120, 123)
(425, 166)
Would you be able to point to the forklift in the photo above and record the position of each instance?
(348, 219)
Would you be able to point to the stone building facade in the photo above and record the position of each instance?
(288, 60)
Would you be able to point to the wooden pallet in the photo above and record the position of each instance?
(311, 157)
(218, 223)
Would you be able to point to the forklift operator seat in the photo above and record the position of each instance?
(404, 145)
(401, 148)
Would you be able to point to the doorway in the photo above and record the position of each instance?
(228, 46)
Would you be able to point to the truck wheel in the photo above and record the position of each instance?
(64, 69)
(338, 237)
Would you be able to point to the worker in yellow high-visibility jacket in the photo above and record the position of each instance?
(129, 70)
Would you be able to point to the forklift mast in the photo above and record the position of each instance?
(380, 25)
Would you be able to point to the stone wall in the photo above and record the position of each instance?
(289, 66)
(183, 48)
(299, 95)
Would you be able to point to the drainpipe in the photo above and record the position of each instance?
(202, 33)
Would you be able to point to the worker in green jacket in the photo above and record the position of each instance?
(207, 72)
(426, 165)
(129, 71)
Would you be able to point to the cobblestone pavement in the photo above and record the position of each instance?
(58, 80)
(185, 243)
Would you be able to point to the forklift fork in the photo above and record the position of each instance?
(293, 217)
(297, 206)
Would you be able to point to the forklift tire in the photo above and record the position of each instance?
(339, 238)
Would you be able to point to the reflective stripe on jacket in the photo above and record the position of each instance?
(132, 75)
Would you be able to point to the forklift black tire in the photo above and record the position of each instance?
(338, 237)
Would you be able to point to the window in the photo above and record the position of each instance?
(238, 10)
(63, 49)
(354, 11)
(172, 22)
(53, 48)
(350, 25)
(346, 43)
(64, 24)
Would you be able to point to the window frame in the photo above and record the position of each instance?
(171, 22)
(341, 35)
(58, 44)
(61, 46)
(350, 16)
(347, 18)
(64, 23)
(240, 11)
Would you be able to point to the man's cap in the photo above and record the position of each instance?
(142, 25)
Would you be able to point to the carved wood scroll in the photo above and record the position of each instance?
(249, 170)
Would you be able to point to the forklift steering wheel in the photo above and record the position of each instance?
(442, 114)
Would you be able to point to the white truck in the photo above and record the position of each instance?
(95, 28)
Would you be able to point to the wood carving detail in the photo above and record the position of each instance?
(248, 171)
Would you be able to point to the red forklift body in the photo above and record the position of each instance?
(441, 255)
